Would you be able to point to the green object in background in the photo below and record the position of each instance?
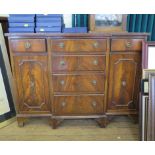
(142, 23)
(79, 20)
(135, 23)
(73, 20)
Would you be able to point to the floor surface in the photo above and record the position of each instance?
(120, 128)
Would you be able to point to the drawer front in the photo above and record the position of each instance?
(64, 63)
(91, 83)
(65, 83)
(92, 63)
(126, 44)
(78, 83)
(79, 45)
(78, 63)
(28, 45)
(78, 105)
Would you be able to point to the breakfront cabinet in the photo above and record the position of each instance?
(70, 76)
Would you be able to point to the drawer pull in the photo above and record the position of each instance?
(94, 82)
(123, 83)
(62, 63)
(95, 62)
(63, 104)
(27, 45)
(96, 44)
(94, 103)
(62, 82)
(128, 44)
(61, 45)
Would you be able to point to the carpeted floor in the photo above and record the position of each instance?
(120, 128)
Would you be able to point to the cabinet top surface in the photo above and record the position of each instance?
(63, 35)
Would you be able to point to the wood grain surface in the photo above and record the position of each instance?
(91, 75)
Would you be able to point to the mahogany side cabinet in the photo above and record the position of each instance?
(72, 76)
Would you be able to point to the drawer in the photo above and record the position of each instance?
(126, 45)
(28, 45)
(64, 63)
(79, 63)
(65, 83)
(79, 45)
(78, 105)
(91, 83)
(92, 63)
(79, 83)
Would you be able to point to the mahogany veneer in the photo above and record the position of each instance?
(76, 75)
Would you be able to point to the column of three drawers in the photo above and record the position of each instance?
(78, 76)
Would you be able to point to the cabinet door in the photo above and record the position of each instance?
(124, 81)
(32, 83)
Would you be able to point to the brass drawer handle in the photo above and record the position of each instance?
(63, 104)
(123, 83)
(62, 63)
(94, 82)
(27, 45)
(62, 82)
(96, 44)
(128, 44)
(95, 62)
(94, 103)
(61, 45)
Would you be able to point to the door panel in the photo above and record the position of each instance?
(124, 81)
(32, 83)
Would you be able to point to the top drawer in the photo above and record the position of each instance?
(28, 45)
(126, 44)
(79, 45)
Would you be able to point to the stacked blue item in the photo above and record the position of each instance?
(75, 30)
(50, 23)
(21, 23)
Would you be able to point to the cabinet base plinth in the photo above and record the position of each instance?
(21, 121)
(55, 123)
(102, 122)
